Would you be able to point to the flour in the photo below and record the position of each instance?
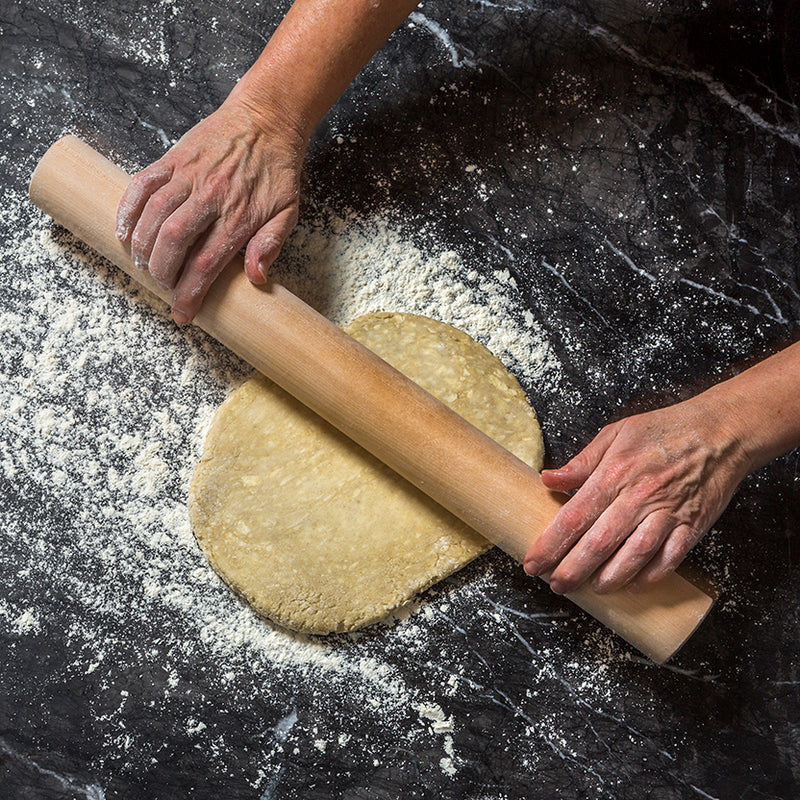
(105, 407)
(346, 267)
(26, 622)
(446, 764)
(433, 712)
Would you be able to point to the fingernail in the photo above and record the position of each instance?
(556, 587)
(179, 317)
(140, 263)
(531, 567)
(121, 231)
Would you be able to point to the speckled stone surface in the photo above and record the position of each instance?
(636, 172)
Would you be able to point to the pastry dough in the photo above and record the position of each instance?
(313, 531)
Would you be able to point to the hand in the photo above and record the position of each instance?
(649, 487)
(232, 180)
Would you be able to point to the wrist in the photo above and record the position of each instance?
(265, 109)
(747, 419)
(287, 84)
(268, 99)
(723, 430)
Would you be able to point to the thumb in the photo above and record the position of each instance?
(263, 248)
(576, 471)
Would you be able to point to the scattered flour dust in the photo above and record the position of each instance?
(105, 404)
(349, 266)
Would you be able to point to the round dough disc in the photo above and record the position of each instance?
(313, 531)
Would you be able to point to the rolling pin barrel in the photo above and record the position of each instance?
(447, 458)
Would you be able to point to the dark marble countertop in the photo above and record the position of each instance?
(633, 167)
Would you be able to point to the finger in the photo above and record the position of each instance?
(574, 518)
(160, 205)
(206, 260)
(577, 471)
(176, 236)
(635, 553)
(595, 547)
(263, 248)
(667, 558)
(136, 195)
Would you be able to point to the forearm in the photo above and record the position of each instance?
(763, 405)
(315, 53)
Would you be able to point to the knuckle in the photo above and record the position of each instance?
(671, 563)
(187, 302)
(172, 232)
(214, 187)
(268, 243)
(616, 472)
(608, 434)
(163, 274)
(207, 266)
(600, 543)
(270, 238)
(237, 231)
(693, 535)
(145, 178)
(140, 181)
(566, 577)
(159, 203)
(139, 242)
(611, 428)
(217, 181)
(646, 487)
(644, 545)
(571, 518)
(160, 270)
(205, 197)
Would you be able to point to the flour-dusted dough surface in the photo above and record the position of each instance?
(313, 531)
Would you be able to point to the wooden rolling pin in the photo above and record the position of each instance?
(390, 416)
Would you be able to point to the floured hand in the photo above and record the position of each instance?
(648, 488)
(232, 181)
